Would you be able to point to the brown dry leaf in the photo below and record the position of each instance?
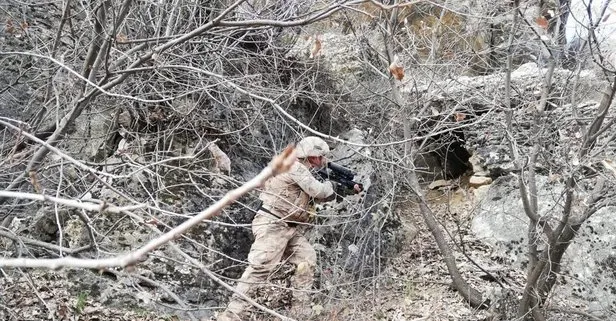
(542, 22)
(63, 312)
(459, 117)
(316, 47)
(156, 115)
(397, 71)
(152, 222)
(9, 27)
(121, 38)
(222, 162)
(34, 182)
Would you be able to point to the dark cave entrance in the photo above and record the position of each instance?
(445, 156)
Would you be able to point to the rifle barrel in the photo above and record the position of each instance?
(341, 170)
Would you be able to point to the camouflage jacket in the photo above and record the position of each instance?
(288, 195)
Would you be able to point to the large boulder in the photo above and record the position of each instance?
(589, 263)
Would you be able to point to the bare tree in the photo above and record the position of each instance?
(551, 233)
(411, 153)
(144, 113)
(423, 134)
(129, 97)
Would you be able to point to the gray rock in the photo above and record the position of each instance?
(495, 159)
(476, 181)
(501, 221)
(590, 261)
(45, 227)
(439, 183)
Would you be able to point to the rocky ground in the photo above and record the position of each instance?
(378, 260)
(413, 285)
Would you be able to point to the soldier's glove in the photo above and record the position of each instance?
(339, 191)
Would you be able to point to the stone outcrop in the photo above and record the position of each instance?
(588, 265)
(480, 103)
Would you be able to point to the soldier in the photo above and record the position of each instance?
(286, 200)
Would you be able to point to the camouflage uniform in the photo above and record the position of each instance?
(286, 200)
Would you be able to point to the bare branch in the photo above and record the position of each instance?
(50, 246)
(279, 164)
(101, 207)
(156, 284)
(595, 128)
(57, 151)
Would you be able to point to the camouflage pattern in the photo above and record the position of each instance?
(288, 195)
(311, 146)
(277, 238)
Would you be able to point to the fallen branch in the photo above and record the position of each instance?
(158, 285)
(279, 164)
(49, 246)
(56, 151)
(214, 277)
(575, 311)
(96, 207)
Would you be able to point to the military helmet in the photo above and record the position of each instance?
(311, 146)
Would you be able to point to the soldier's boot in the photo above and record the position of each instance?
(302, 279)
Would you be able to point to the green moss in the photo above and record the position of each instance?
(82, 300)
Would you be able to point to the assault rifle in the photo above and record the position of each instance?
(340, 175)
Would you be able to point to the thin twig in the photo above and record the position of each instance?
(574, 311)
(42, 244)
(158, 285)
(280, 164)
(88, 206)
(57, 151)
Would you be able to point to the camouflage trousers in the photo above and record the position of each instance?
(275, 242)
